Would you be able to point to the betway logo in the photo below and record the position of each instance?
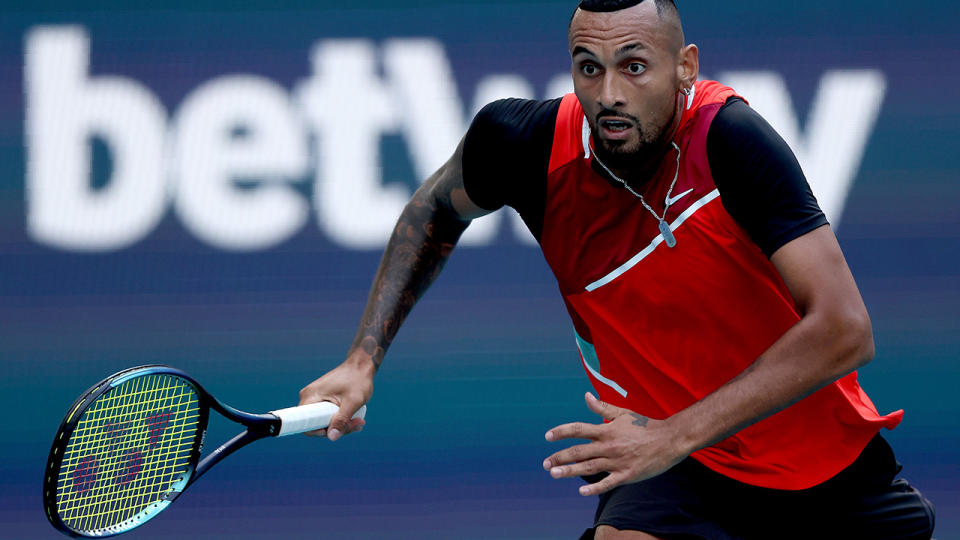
(227, 159)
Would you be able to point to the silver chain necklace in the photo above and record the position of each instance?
(664, 227)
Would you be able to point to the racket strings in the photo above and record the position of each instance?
(128, 449)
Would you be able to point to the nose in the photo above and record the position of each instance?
(611, 91)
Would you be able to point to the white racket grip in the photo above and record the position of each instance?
(309, 417)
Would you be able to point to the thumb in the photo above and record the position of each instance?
(340, 422)
(604, 409)
(347, 419)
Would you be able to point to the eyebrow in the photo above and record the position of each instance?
(629, 47)
(580, 49)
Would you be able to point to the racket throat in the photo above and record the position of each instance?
(252, 433)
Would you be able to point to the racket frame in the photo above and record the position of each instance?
(258, 426)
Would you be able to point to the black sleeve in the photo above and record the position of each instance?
(759, 179)
(506, 154)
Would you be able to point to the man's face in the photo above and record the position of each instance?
(625, 74)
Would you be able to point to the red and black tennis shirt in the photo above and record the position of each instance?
(659, 328)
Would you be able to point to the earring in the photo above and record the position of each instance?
(689, 93)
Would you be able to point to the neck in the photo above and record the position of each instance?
(636, 168)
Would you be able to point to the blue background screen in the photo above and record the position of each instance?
(319, 119)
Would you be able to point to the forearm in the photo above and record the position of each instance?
(818, 350)
(422, 240)
(631, 447)
(424, 237)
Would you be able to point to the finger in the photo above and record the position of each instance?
(575, 430)
(346, 420)
(355, 425)
(340, 423)
(574, 454)
(583, 468)
(604, 409)
(611, 481)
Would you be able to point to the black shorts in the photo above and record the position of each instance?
(690, 501)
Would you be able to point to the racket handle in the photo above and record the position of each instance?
(309, 417)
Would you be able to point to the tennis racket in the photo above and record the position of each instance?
(131, 444)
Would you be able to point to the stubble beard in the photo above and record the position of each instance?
(632, 155)
(638, 155)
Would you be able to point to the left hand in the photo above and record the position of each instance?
(630, 447)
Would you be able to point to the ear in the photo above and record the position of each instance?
(688, 65)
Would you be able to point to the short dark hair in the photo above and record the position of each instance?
(617, 5)
(666, 10)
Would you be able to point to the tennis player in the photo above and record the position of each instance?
(714, 311)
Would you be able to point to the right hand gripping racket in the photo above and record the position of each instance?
(131, 444)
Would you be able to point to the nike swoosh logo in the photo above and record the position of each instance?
(670, 201)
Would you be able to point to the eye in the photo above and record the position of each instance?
(589, 69)
(636, 68)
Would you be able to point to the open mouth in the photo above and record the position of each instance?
(615, 125)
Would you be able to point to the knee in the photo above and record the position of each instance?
(606, 532)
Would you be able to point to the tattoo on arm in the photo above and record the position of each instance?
(425, 235)
(639, 420)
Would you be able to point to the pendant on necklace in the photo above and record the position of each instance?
(667, 234)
